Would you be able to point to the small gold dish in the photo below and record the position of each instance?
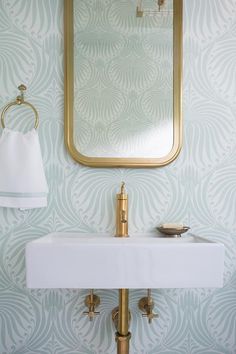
(173, 231)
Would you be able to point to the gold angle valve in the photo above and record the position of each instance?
(91, 301)
(146, 304)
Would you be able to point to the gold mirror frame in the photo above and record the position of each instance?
(69, 98)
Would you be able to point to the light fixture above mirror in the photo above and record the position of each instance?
(157, 8)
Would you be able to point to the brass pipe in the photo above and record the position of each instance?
(123, 335)
(123, 319)
(123, 344)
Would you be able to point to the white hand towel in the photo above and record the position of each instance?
(22, 179)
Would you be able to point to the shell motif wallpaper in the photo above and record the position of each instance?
(198, 188)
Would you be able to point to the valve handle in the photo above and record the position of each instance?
(146, 305)
(150, 316)
(91, 314)
(91, 301)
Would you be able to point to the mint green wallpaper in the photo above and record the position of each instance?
(199, 188)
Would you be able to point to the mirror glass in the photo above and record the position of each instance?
(123, 81)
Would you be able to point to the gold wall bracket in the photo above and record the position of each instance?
(20, 100)
(92, 301)
(146, 304)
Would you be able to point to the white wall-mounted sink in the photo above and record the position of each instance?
(76, 260)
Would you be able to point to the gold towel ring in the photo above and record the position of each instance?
(20, 100)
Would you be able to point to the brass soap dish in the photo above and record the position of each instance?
(173, 231)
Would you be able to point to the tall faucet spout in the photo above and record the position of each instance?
(122, 212)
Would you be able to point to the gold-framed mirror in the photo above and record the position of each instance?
(123, 81)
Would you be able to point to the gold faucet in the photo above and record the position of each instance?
(122, 213)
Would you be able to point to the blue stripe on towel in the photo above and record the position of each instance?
(22, 195)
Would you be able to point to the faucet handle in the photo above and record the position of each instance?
(123, 216)
(150, 316)
(91, 314)
(91, 301)
(146, 304)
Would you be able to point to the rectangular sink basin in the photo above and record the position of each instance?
(79, 260)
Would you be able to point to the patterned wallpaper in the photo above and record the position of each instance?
(199, 188)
